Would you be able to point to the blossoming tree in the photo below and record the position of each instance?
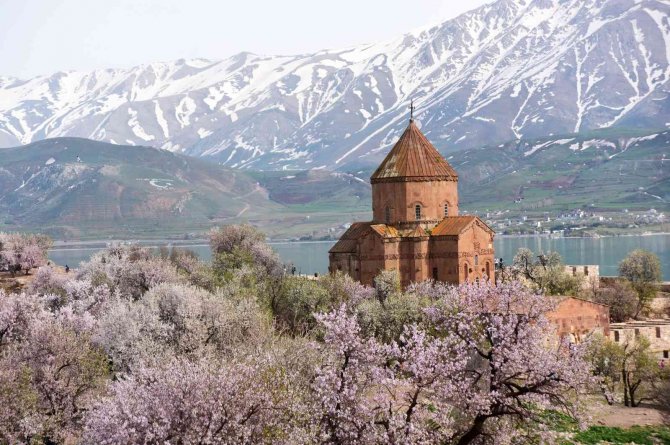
(490, 360)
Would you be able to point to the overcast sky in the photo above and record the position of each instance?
(44, 36)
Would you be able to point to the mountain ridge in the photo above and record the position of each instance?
(509, 69)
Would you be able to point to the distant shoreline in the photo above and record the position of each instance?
(157, 243)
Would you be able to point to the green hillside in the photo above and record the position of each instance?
(76, 188)
(606, 170)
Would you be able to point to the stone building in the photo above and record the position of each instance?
(590, 274)
(416, 228)
(656, 331)
(576, 318)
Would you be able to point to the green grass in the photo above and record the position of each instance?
(557, 421)
(643, 435)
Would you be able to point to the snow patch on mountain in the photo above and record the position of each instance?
(547, 144)
(509, 69)
(136, 128)
(160, 119)
(184, 111)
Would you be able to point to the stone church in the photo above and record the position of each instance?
(416, 228)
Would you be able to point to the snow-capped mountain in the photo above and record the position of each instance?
(509, 69)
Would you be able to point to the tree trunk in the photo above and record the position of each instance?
(625, 388)
(632, 391)
(474, 431)
(638, 309)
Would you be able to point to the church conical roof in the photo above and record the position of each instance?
(413, 158)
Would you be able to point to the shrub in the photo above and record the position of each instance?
(237, 245)
(295, 301)
(621, 298)
(128, 270)
(178, 320)
(643, 270)
(387, 321)
(387, 283)
(23, 251)
(546, 273)
(203, 402)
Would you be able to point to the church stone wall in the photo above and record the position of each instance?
(390, 254)
(402, 197)
(466, 257)
(476, 252)
(346, 263)
(371, 248)
(444, 259)
(413, 260)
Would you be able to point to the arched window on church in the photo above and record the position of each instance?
(476, 260)
(446, 209)
(417, 212)
(466, 271)
(387, 214)
(488, 270)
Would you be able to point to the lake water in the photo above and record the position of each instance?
(311, 257)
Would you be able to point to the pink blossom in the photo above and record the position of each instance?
(204, 402)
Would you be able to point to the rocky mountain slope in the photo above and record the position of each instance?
(512, 69)
(603, 170)
(71, 187)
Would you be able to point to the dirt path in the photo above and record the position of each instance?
(624, 417)
(246, 207)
